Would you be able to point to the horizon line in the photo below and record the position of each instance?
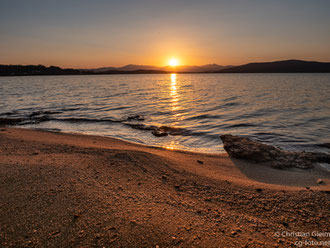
(165, 66)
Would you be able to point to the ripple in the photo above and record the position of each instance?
(290, 111)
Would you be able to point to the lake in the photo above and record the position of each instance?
(291, 111)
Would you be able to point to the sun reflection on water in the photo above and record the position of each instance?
(173, 86)
(175, 98)
(172, 145)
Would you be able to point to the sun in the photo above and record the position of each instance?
(173, 62)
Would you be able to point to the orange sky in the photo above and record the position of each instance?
(80, 34)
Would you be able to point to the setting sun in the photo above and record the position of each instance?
(173, 62)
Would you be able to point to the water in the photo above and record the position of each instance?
(291, 111)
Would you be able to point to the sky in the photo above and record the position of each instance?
(92, 34)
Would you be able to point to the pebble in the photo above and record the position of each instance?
(76, 216)
(55, 233)
(81, 233)
(177, 187)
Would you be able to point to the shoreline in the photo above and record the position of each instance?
(115, 139)
(249, 170)
(82, 190)
(121, 139)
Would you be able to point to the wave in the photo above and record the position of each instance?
(240, 125)
(131, 121)
(42, 112)
(23, 118)
(203, 116)
(8, 113)
(159, 131)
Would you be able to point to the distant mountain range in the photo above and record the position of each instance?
(182, 68)
(286, 66)
(29, 70)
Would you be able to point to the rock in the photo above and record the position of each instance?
(55, 233)
(320, 181)
(177, 187)
(135, 118)
(10, 121)
(159, 133)
(133, 222)
(245, 148)
(200, 162)
(188, 228)
(259, 190)
(114, 237)
(327, 145)
(81, 233)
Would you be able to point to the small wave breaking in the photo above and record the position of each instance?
(132, 121)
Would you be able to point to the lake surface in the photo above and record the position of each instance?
(291, 111)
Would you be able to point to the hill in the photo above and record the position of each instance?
(286, 66)
(25, 70)
(148, 68)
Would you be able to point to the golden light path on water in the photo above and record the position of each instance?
(175, 97)
(175, 107)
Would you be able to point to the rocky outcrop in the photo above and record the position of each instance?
(245, 148)
(326, 145)
(10, 121)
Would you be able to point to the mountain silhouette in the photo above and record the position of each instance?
(28, 70)
(285, 66)
(182, 68)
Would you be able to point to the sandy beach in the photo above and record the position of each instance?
(70, 190)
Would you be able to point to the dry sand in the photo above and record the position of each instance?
(66, 190)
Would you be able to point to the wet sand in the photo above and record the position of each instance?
(67, 190)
